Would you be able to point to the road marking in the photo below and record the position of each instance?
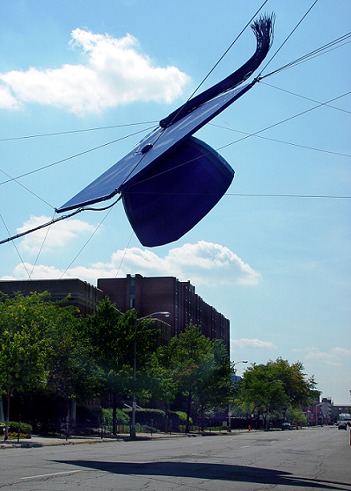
(245, 446)
(49, 475)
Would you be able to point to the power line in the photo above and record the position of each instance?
(299, 196)
(57, 162)
(109, 208)
(285, 120)
(313, 54)
(16, 248)
(71, 132)
(288, 37)
(55, 220)
(25, 187)
(228, 49)
(304, 97)
(41, 248)
(284, 142)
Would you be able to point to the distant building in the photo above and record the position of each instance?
(167, 294)
(326, 410)
(145, 294)
(342, 412)
(72, 291)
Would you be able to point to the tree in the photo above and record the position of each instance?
(297, 388)
(112, 334)
(160, 379)
(190, 354)
(22, 349)
(73, 372)
(43, 348)
(199, 367)
(215, 388)
(275, 386)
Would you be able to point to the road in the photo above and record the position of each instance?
(310, 459)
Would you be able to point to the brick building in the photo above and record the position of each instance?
(145, 294)
(167, 294)
(75, 292)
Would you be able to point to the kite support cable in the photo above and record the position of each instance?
(55, 220)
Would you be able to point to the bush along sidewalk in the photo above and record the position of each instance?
(16, 430)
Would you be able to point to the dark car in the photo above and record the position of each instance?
(342, 425)
(286, 426)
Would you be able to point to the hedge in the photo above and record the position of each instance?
(25, 428)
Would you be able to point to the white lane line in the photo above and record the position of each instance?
(245, 446)
(49, 475)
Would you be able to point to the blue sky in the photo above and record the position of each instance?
(81, 82)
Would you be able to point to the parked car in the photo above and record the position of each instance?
(342, 425)
(286, 426)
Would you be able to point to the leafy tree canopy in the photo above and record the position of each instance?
(275, 386)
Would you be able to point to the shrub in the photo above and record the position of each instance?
(182, 416)
(25, 429)
(122, 417)
(148, 416)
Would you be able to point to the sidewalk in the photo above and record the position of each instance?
(42, 441)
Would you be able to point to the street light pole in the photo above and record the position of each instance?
(137, 320)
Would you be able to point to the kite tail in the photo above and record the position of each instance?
(263, 30)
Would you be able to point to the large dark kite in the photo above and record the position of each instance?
(171, 180)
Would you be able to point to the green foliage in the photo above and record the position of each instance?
(159, 377)
(73, 370)
(25, 429)
(22, 348)
(215, 387)
(274, 387)
(43, 348)
(115, 339)
(296, 416)
(193, 365)
(182, 416)
(107, 419)
(111, 335)
(48, 348)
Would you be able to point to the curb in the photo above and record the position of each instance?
(50, 442)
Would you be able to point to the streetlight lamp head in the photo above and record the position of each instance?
(152, 315)
(241, 361)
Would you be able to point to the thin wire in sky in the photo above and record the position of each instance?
(286, 120)
(87, 242)
(16, 248)
(71, 157)
(287, 38)
(72, 132)
(228, 49)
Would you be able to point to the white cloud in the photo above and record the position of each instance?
(204, 263)
(201, 259)
(51, 238)
(332, 357)
(113, 72)
(252, 343)
(341, 351)
(7, 101)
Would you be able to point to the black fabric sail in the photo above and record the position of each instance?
(263, 29)
(171, 180)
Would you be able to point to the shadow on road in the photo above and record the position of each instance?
(235, 473)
